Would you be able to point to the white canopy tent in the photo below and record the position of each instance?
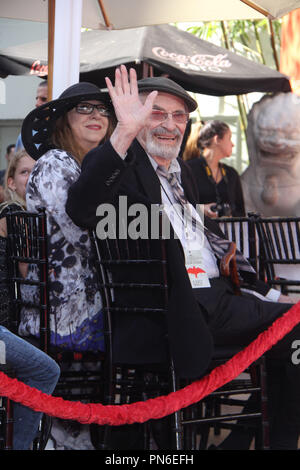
(120, 14)
(65, 18)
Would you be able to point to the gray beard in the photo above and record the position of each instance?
(158, 149)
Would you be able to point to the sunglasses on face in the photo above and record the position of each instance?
(88, 108)
(178, 116)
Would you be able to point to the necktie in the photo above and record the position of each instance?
(220, 246)
(177, 190)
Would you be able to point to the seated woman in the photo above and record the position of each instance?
(76, 122)
(31, 366)
(219, 184)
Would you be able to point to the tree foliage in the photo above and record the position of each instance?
(258, 40)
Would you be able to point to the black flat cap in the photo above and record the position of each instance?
(167, 86)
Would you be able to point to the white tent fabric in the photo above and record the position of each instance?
(120, 14)
(133, 13)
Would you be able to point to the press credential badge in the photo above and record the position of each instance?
(195, 269)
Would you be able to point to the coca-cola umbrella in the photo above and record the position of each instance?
(197, 65)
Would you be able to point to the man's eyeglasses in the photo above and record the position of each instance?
(88, 108)
(178, 116)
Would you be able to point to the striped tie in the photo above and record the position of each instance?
(177, 190)
(220, 246)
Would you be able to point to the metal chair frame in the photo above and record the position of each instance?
(6, 415)
(279, 239)
(131, 382)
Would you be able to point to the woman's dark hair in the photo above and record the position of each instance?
(209, 130)
(62, 136)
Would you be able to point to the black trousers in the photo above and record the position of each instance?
(238, 320)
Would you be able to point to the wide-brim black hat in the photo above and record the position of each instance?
(167, 86)
(38, 125)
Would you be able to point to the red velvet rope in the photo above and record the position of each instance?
(155, 408)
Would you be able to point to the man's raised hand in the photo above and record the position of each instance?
(130, 112)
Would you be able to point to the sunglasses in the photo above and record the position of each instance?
(178, 116)
(88, 108)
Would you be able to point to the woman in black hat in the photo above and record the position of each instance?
(58, 135)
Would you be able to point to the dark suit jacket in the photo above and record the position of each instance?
(105, 177)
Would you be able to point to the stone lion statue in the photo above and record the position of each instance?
(271, 183)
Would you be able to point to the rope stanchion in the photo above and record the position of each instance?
(154, 408)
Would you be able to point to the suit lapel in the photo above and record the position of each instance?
(187, 184)
(146, 175)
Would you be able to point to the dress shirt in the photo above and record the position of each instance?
(197, 240)
(209, 258)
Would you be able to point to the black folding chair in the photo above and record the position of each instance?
(279, 239)
(131, 382)
(27, 243)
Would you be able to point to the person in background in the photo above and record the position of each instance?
(219, 185)
(10, 149)
(15, 181)
(41, 98)
(30, 365)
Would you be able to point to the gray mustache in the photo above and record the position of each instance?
(161, 130)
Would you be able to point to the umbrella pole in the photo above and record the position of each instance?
(256, 7)
(147, 70)
(273, 44)
(104, 14)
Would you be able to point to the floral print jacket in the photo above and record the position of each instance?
(75, 301)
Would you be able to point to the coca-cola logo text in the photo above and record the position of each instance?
(38, 69)
(198, 62)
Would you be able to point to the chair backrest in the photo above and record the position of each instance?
(27, 243)
(130, 269)
(6, 415)
(279, 239)
(133, 279)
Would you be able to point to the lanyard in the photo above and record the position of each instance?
(212, 180)
(182, 219)
(209, 172)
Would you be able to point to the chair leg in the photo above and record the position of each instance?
(208, 408)
(100, 436)
(8, 424)
(44, 432)
(191, 432)
(177, 427)
(265, 428)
